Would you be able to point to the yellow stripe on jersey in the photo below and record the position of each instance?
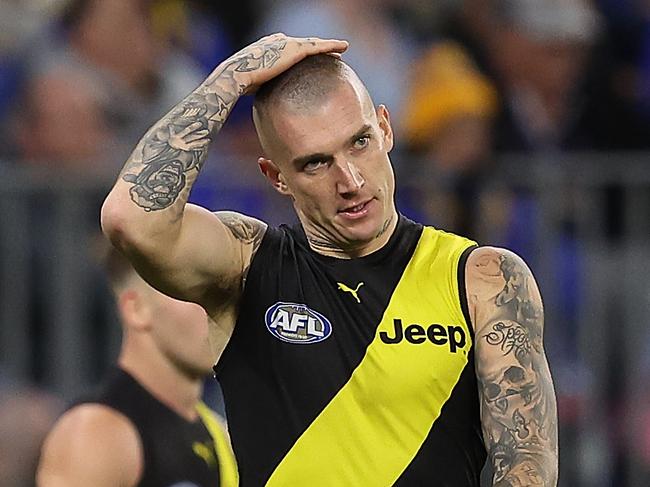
(228, 473)
(372, 429)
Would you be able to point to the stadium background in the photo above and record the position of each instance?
(521, 123)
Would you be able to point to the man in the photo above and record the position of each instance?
(146, 426)
(350, 339)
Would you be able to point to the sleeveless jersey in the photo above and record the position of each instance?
(176, 452)
(354, 372)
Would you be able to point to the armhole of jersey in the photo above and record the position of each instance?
(144, 443)
(143, 446)
(270, 234)
(265, 238)
(462, 288)
(145, 449)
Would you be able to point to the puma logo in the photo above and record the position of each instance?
(347, 289)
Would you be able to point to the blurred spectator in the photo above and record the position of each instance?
(448, 120)
(26, 415)
(115, 41)
(126, 76)
(20, 22)
(540, 52)
(449, 109)
(193, 27)
(241, 23)
(62, 123)
(423, 20)
(584, 65)
(379, 52)
(627, 77)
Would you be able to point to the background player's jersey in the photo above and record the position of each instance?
(176, 452)
(355, 372)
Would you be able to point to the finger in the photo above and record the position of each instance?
(199, 144)
(196, 135)
(316, 39)
(190, 128)
(323, 47)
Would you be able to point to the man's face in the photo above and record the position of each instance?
(333, 162)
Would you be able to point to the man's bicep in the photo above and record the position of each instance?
(209, 258)
(90, 445)
(518, 409)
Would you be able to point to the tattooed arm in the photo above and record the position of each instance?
(182, 249)
(518, 407)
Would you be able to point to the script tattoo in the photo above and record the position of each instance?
(510, 338)
(519, 411)
(384, 227)
(169, 157)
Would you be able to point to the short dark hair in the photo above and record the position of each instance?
(305, 83)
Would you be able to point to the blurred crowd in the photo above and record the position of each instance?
(81, 79)
(465, 81)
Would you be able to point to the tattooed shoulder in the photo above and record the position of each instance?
(500, 278)
(488, 264)
(247, 230)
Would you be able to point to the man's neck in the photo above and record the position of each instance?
(164, 381)
(330, 248)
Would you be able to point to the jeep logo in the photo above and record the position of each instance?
(452, 335)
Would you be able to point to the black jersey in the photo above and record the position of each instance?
(176, 452)
(354, 372)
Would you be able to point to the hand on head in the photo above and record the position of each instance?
(271, 55)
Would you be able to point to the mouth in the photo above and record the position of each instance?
(358, 210)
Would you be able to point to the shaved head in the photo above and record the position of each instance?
(327, 148)
(302, 88)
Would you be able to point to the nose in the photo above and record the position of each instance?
(350, 178)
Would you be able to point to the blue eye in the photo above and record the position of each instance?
(312, 165)
(362, 142)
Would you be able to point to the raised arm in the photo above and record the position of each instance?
(518, 407)
(184, 250)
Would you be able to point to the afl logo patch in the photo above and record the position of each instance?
(297, 323)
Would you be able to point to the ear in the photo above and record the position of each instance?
(134, 310)
(383, 118)
(272, 172)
